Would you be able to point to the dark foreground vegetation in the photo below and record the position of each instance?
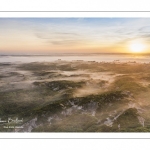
(75, 97)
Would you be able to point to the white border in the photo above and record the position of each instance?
(72, 135)
(74, 5)
(74, 14)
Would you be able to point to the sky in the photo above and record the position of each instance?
(73, 35)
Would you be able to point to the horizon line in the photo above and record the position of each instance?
(48, 54)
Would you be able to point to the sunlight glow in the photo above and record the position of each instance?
(137, 47)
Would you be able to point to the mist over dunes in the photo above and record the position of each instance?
(75, 96)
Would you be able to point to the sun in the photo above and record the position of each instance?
(137, 47)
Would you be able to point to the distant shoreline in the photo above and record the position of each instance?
(74, 54)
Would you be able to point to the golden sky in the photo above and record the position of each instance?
(73, 35)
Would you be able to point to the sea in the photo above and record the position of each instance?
(100, 57)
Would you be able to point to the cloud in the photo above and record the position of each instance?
(50, 35)
(64, 42)
(68, 33)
